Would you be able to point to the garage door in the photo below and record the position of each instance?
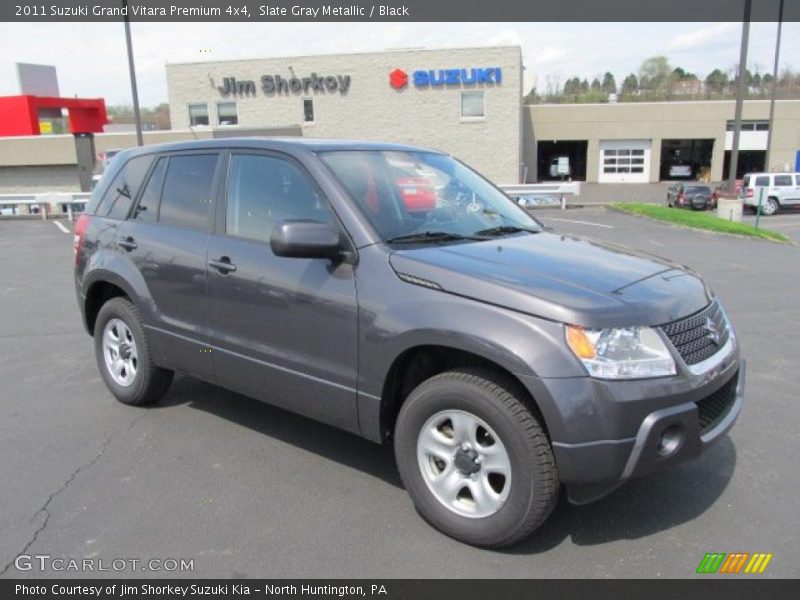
(624, 161)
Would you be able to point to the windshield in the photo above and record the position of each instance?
(424, 196)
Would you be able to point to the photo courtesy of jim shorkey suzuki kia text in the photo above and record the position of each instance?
(318, 299)
(173, 590)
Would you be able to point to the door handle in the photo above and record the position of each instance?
(223, 265)
(127, 243)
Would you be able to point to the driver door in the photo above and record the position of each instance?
(286, 326)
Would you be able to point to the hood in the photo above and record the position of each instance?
(565, 279)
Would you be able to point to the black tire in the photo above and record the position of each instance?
(499, 402)
(150, 382)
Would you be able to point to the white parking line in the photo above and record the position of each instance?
(580, 222)
(60, 226)
(656, 243)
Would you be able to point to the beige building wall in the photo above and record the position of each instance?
(657, 121)
(371, 109)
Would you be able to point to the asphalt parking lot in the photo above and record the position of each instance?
(248, 490)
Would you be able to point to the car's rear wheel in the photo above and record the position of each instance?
(770, 207)
(475, 459)
(123, 355)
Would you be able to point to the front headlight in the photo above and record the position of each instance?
(621, 353)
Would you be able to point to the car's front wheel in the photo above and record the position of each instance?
(475, 459)
(123, 355)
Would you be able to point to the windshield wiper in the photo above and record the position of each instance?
(431, 237)
(505, 230)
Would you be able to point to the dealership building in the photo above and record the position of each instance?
(465, 101)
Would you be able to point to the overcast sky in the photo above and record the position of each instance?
(91, 60)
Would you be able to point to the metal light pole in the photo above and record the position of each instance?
(740, 88)
(132, 70)
(774, 87)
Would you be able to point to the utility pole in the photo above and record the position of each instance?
(774, 88)
(132, 71)
(740, 89)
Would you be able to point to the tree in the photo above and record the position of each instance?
(596, 85)
(655, 73)
(609, 85)
(584, 86)
(630, 85)
(717, 81)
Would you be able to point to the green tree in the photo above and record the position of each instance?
(655, 74)
(609, 85)
(596, 85)
(717, 81)
(630, 85)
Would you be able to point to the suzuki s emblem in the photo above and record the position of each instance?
(713, 332)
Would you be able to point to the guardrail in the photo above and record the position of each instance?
(557, 189)
(52, 204)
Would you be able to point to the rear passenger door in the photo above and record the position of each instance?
(165, 239)
(786, 190)
(286, 328)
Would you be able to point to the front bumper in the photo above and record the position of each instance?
(604, 432)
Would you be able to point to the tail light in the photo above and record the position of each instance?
(682, 198)
(749, 192)
(80, 228)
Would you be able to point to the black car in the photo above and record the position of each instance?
(503, 362)
(695, 197)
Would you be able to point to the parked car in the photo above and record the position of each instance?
(723, 188)
(502, 362)
(560, 167)
(689, 195)
(779, 190)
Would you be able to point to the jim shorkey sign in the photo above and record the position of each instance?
(275, 84)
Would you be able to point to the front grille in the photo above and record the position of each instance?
(712, 409)
(692, 337)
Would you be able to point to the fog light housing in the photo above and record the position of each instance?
(671, 439)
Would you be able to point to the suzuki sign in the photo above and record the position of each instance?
(398, 78)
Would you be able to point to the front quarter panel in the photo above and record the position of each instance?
(395, 316)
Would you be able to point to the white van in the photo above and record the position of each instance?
(780, 189)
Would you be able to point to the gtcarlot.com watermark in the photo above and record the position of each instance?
(46, 562)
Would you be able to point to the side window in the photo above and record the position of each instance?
(263, 190)
(186, 199)
(797, 179)
(783, 180)
(762, 181)
(147, 209)
(117, 200)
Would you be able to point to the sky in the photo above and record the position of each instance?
(97, 66)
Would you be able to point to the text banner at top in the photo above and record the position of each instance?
(405, 10)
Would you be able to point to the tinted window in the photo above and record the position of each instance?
(117, 200)
(186, 199)
(698, 189)
(797, 179)
(263, 190)
(147, 209)
(783, 180)
(761, 181)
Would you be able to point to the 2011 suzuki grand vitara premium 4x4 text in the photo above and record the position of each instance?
(393, 292)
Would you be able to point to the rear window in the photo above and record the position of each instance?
(147, 209)
(118, 197)
(186, 199)
(762, 181)
(697, 189)
(783, 180)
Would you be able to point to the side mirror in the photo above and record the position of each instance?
(305, 239)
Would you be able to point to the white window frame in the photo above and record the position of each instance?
(189, 113)
(235, 106)
(471, 119)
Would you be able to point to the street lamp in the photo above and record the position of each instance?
(132, 71)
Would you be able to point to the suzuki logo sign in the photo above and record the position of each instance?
(398, 78)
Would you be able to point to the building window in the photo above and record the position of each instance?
(749, 125)
(472, 105)
(308, 110)
(198, 114)
(227, 114)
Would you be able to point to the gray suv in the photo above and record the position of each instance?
(395, 293)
